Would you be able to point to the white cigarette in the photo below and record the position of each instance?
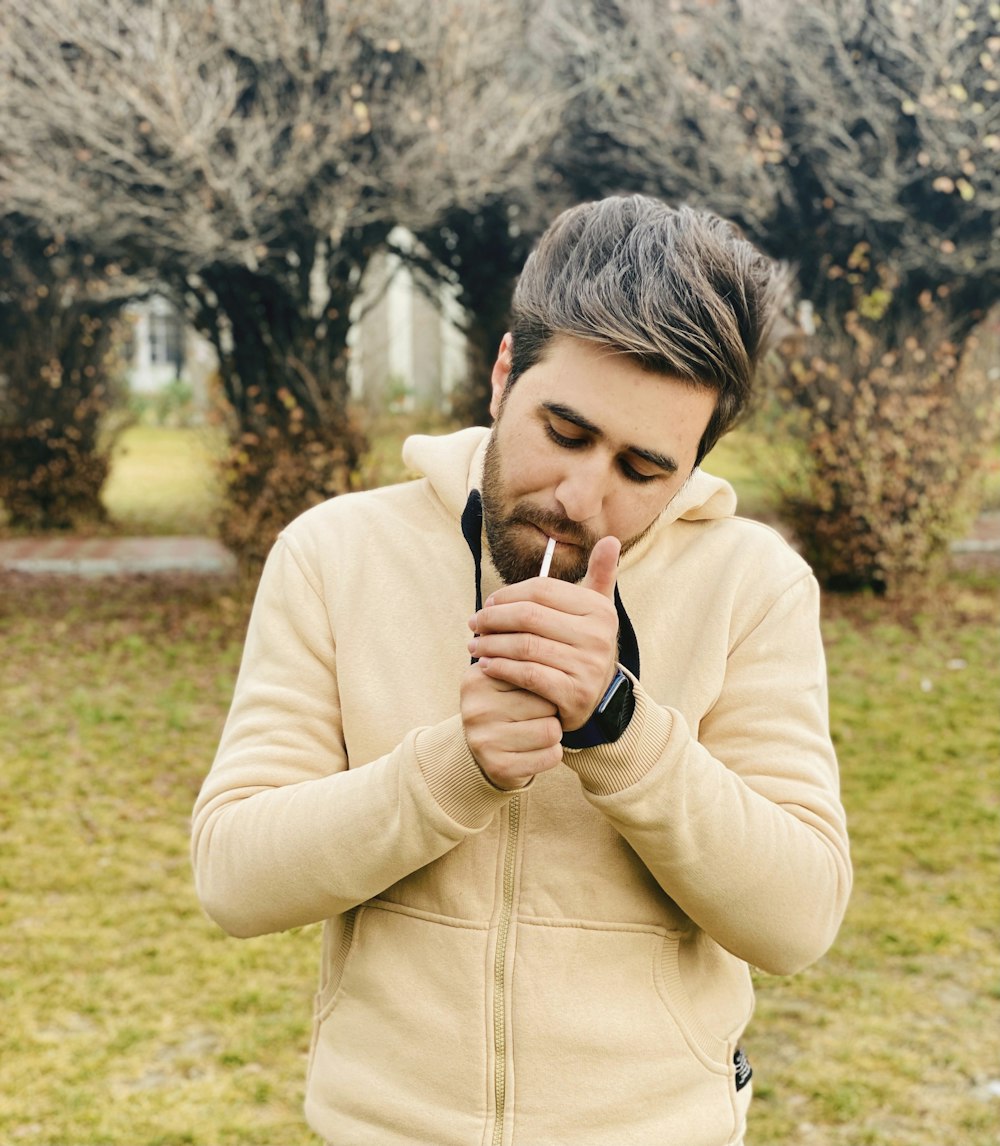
(550, 548)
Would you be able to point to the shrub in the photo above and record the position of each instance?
(59, 387)
(273, 474)
(891, 429)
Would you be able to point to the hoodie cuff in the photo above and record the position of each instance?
(454, 778)
(610, 768)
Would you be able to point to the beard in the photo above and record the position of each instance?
(516, 545)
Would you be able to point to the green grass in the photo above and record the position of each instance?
(892, 1038)
(164, 481)
(130, 1020)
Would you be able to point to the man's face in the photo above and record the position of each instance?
(585, 444)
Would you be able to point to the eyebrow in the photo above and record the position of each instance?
(568, 414)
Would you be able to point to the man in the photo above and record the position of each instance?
(546, 873)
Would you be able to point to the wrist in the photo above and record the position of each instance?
(610, 717)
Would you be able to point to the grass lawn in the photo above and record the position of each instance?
(163, 481)
(130, 1020)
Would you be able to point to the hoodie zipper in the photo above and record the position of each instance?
(500, 969)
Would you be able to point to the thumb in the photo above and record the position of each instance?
(602, 569)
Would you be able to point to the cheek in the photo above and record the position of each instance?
(636, 509)
(531, 469)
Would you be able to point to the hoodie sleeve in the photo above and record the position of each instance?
(741, 825)
(284, 833)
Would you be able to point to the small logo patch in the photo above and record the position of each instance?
(743, 1070)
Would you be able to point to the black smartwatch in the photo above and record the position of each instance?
(608, 720)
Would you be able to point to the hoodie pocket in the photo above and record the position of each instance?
(603, 1049)
(398, 1048)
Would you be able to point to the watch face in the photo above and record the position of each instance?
(617, 707)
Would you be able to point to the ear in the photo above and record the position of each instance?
(501, 373)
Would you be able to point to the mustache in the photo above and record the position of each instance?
(553, 523)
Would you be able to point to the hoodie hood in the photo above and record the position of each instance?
(703, 497)
(453, 464)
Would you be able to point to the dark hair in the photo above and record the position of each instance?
(680, 291)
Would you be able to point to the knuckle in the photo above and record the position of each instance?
(547, 707)
(581, 694)
(531, 646)
(553, 731)
(471, 705)
(473, 740)
(552, 755)
(532, 615)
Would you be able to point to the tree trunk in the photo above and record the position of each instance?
(280, 332)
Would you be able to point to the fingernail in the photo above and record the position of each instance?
(472, 646)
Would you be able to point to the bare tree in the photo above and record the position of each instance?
(891, 111)
(485, 248)
(256, 155)
(857, 138)
(654, 106)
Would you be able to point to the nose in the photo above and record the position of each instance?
(582, 490)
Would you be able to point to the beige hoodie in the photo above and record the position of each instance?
(566, 964)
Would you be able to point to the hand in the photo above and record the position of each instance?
(513, 734)
(556, 640)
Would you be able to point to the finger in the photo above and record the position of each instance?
(517, 616)
(482, 693)
(522, 746)
(568, 622)
(519, 705)
(520, 736)
(602, 569)
(525, 605)
(525, 646)
(514, 770)
(544, 592)
(566, 692)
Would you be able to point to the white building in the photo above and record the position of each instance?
(407, 350)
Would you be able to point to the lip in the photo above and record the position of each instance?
(560, 540)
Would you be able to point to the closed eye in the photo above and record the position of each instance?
(568, 442)
(564, 440)
(633, 474)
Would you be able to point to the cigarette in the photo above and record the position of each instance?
(550, 548)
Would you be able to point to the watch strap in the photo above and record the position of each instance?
(609, 719)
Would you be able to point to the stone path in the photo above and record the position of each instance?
(109, 556)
